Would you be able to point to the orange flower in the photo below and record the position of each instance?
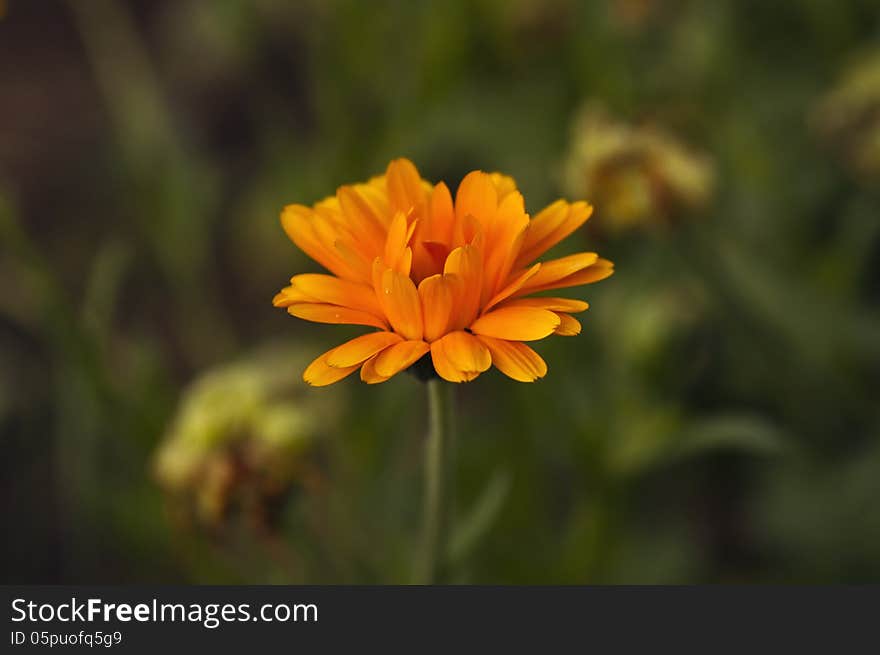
(435, 276)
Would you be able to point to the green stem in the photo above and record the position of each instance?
(437, 455)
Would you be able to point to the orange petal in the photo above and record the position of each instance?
(476, 196)
(467, 231)
(437, 294)
(557, 269)
(466, 263)
(516, 323)
(511, 210)
(395, 243)
(359, 349)
(405, 189)
(357, 258)
(411, 230)
(368, 371)
(321, 313)
(336, 291)
(569, 326)
(378, 269)
(543, 224)
(405, 264)
(438, 253)
(314, 237)
(503, 237)
(367, 228)
(598, 271)
(442, 216)
(515, 359)
(429, 224)
(460, 357)
(288, 296)
(551, 226)
(567, 305)
(399, 357)
(513, 287)
(375, 196)
(319, 373)
(504, 184)
(400, 301)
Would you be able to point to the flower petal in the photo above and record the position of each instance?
(396, 243)
(405, 187)
(513, 287)
(543, 224)
(288, 296)
(322, 313)
(569, 326)
(467, 231)
(375, 196)
(466, 263)
(429, 258)
(557, 269)
(314, 237)
(476, 196)
(361, 348)
(357, 258)
(515, 359)
(503, 236)
(516, 323)
(460, 357)
(551, 226)
(319, 373)
(598, 271)
(400, 301)
(442, 215)
(504, 184)
(399, 357)
(433, 235)
(437, 294)
(568, 305)
(369, 374)
(335, 291)
(361, 220)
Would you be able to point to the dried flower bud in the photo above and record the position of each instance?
(243, 436)
(634, 175)
(847, 118)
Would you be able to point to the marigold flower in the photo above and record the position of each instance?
(452, 279)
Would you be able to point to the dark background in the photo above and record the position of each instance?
(716, 421)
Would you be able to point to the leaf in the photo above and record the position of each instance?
(478, 521)
(744, 432)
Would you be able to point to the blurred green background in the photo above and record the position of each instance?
(716, 421)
